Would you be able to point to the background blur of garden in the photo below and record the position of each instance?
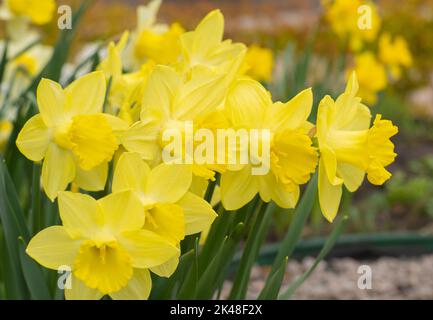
(395, 220)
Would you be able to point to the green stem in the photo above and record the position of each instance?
(36, 198)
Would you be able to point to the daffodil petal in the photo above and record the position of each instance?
(167, 183)
(138, 287)
(51, 101)
(167, 221)
(168, 268)
(58, 170)
(246, 104)
(79, 291)
(238, 188)
(93, 179)
(86, 94)
(271, 189)
(147, 249)
(161, 88)
(131, 173)
(115, 205)
(34, 138)
(292, 114)
(198, 213)
(351, 175)
(142, 137)
(329, 195)
(79, 213)
(53, 247)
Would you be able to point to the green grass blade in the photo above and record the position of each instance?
(33, 275)
(14, 227)
(255, 239)
(273, 284)
(301, 215)
(329, 244)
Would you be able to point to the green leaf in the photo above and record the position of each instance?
(255, 239)
(4, 60)
(33, 275)
(14, 227)
(273, 283)
(300, 218)
(329, 244)
(217, 269)
(164, 288)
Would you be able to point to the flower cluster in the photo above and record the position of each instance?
(379, 57)
(152, 80)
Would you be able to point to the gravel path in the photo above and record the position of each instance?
(392, 278)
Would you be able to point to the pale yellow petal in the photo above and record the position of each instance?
(86, 94)
(79, 214)
(167, 183)
(131, 172)
(167, 220)
(161, 88)
(93, 179)
(292, 114)
(209, 32)
(271, 189)
(138, 287)
(51, 101)
(53, 247)
(168, 268)
(142, 137)
(122, 211)
(198, 213)
(329, 195)
(147, 249)
(238, 188)
(200, 97)
(58, 170)
(246, 104)
(79, 291)
(351, 175)
(34, 138)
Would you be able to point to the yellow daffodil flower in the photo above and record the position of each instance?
(71, 134)
(344, 17)
(349, 147)
(125, 88)
(395, 54)
(37, 11)
(104, 245)
(169, 101)
(205, 45)
(292, 156)
(169, 209)
(258, 63)
(152, 41)
(371, 76)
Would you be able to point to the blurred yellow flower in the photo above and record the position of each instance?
(72, 135)
(37, 11)
(292, 156)
(103, 243)
(205, 46)
(5, 131)
(151, 40)
(169, 209)
(258, 63)
(371, 76)
(349, 148)
(163, 47)
(347, 21)
(394, 54)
